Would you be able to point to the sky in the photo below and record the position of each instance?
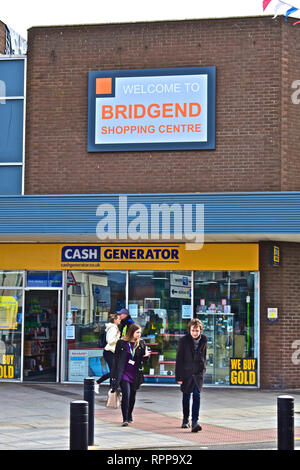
(21, 15)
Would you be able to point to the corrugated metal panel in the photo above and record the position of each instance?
(239, 213)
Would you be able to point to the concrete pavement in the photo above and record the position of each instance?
(37, 417)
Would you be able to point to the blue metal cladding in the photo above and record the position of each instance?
(224, 213)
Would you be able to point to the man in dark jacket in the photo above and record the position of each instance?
(126, 320)
(190, 371)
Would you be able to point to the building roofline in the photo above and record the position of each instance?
(175, 20)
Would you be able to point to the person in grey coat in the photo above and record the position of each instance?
(190, 371)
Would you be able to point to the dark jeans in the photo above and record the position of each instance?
(128, 399)
(109, 357)
(195, 407)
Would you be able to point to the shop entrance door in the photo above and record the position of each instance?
(41, 335)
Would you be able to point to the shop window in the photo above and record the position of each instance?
(44, 279)
(80, 316)
(226, 303)
(78, 289)
(11, 278)
(10, 333)
(160, 302)
(89, 302)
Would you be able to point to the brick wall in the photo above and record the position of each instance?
(247, 55)
(2, 38)
(257, 129)
(290, 146)
(280, 287)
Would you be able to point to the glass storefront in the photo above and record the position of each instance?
(11, 306)
(161, 302)
(91, 296)
(227, 305)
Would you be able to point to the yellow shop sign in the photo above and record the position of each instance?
(167, 256)
(8, 313)
(243, 371)
(7, 369)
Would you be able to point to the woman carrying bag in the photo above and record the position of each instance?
(112, 337)
(127, 371)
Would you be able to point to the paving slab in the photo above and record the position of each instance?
(37, 417)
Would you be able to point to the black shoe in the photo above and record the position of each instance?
(129, 420)
(125, 423)
(196, 427)
(185, 424)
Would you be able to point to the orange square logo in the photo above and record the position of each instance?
(103, 86)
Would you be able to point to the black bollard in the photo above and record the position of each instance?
(285, 422)
(79, 425)
(89, 396)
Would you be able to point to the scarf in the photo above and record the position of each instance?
(196, 342)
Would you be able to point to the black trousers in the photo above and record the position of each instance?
(195, 407)
(128, 399)
(109, 357)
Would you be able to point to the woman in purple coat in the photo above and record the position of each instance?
(190, 371)
(127, 370)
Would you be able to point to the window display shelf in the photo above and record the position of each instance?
(35, 354)
(39, 337)
(170, 334)
(208, 312)
(159, 375)
(33, 372)
(86, 348)
(218, 327)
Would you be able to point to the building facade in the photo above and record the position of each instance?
(2, 38)
(160, 173)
